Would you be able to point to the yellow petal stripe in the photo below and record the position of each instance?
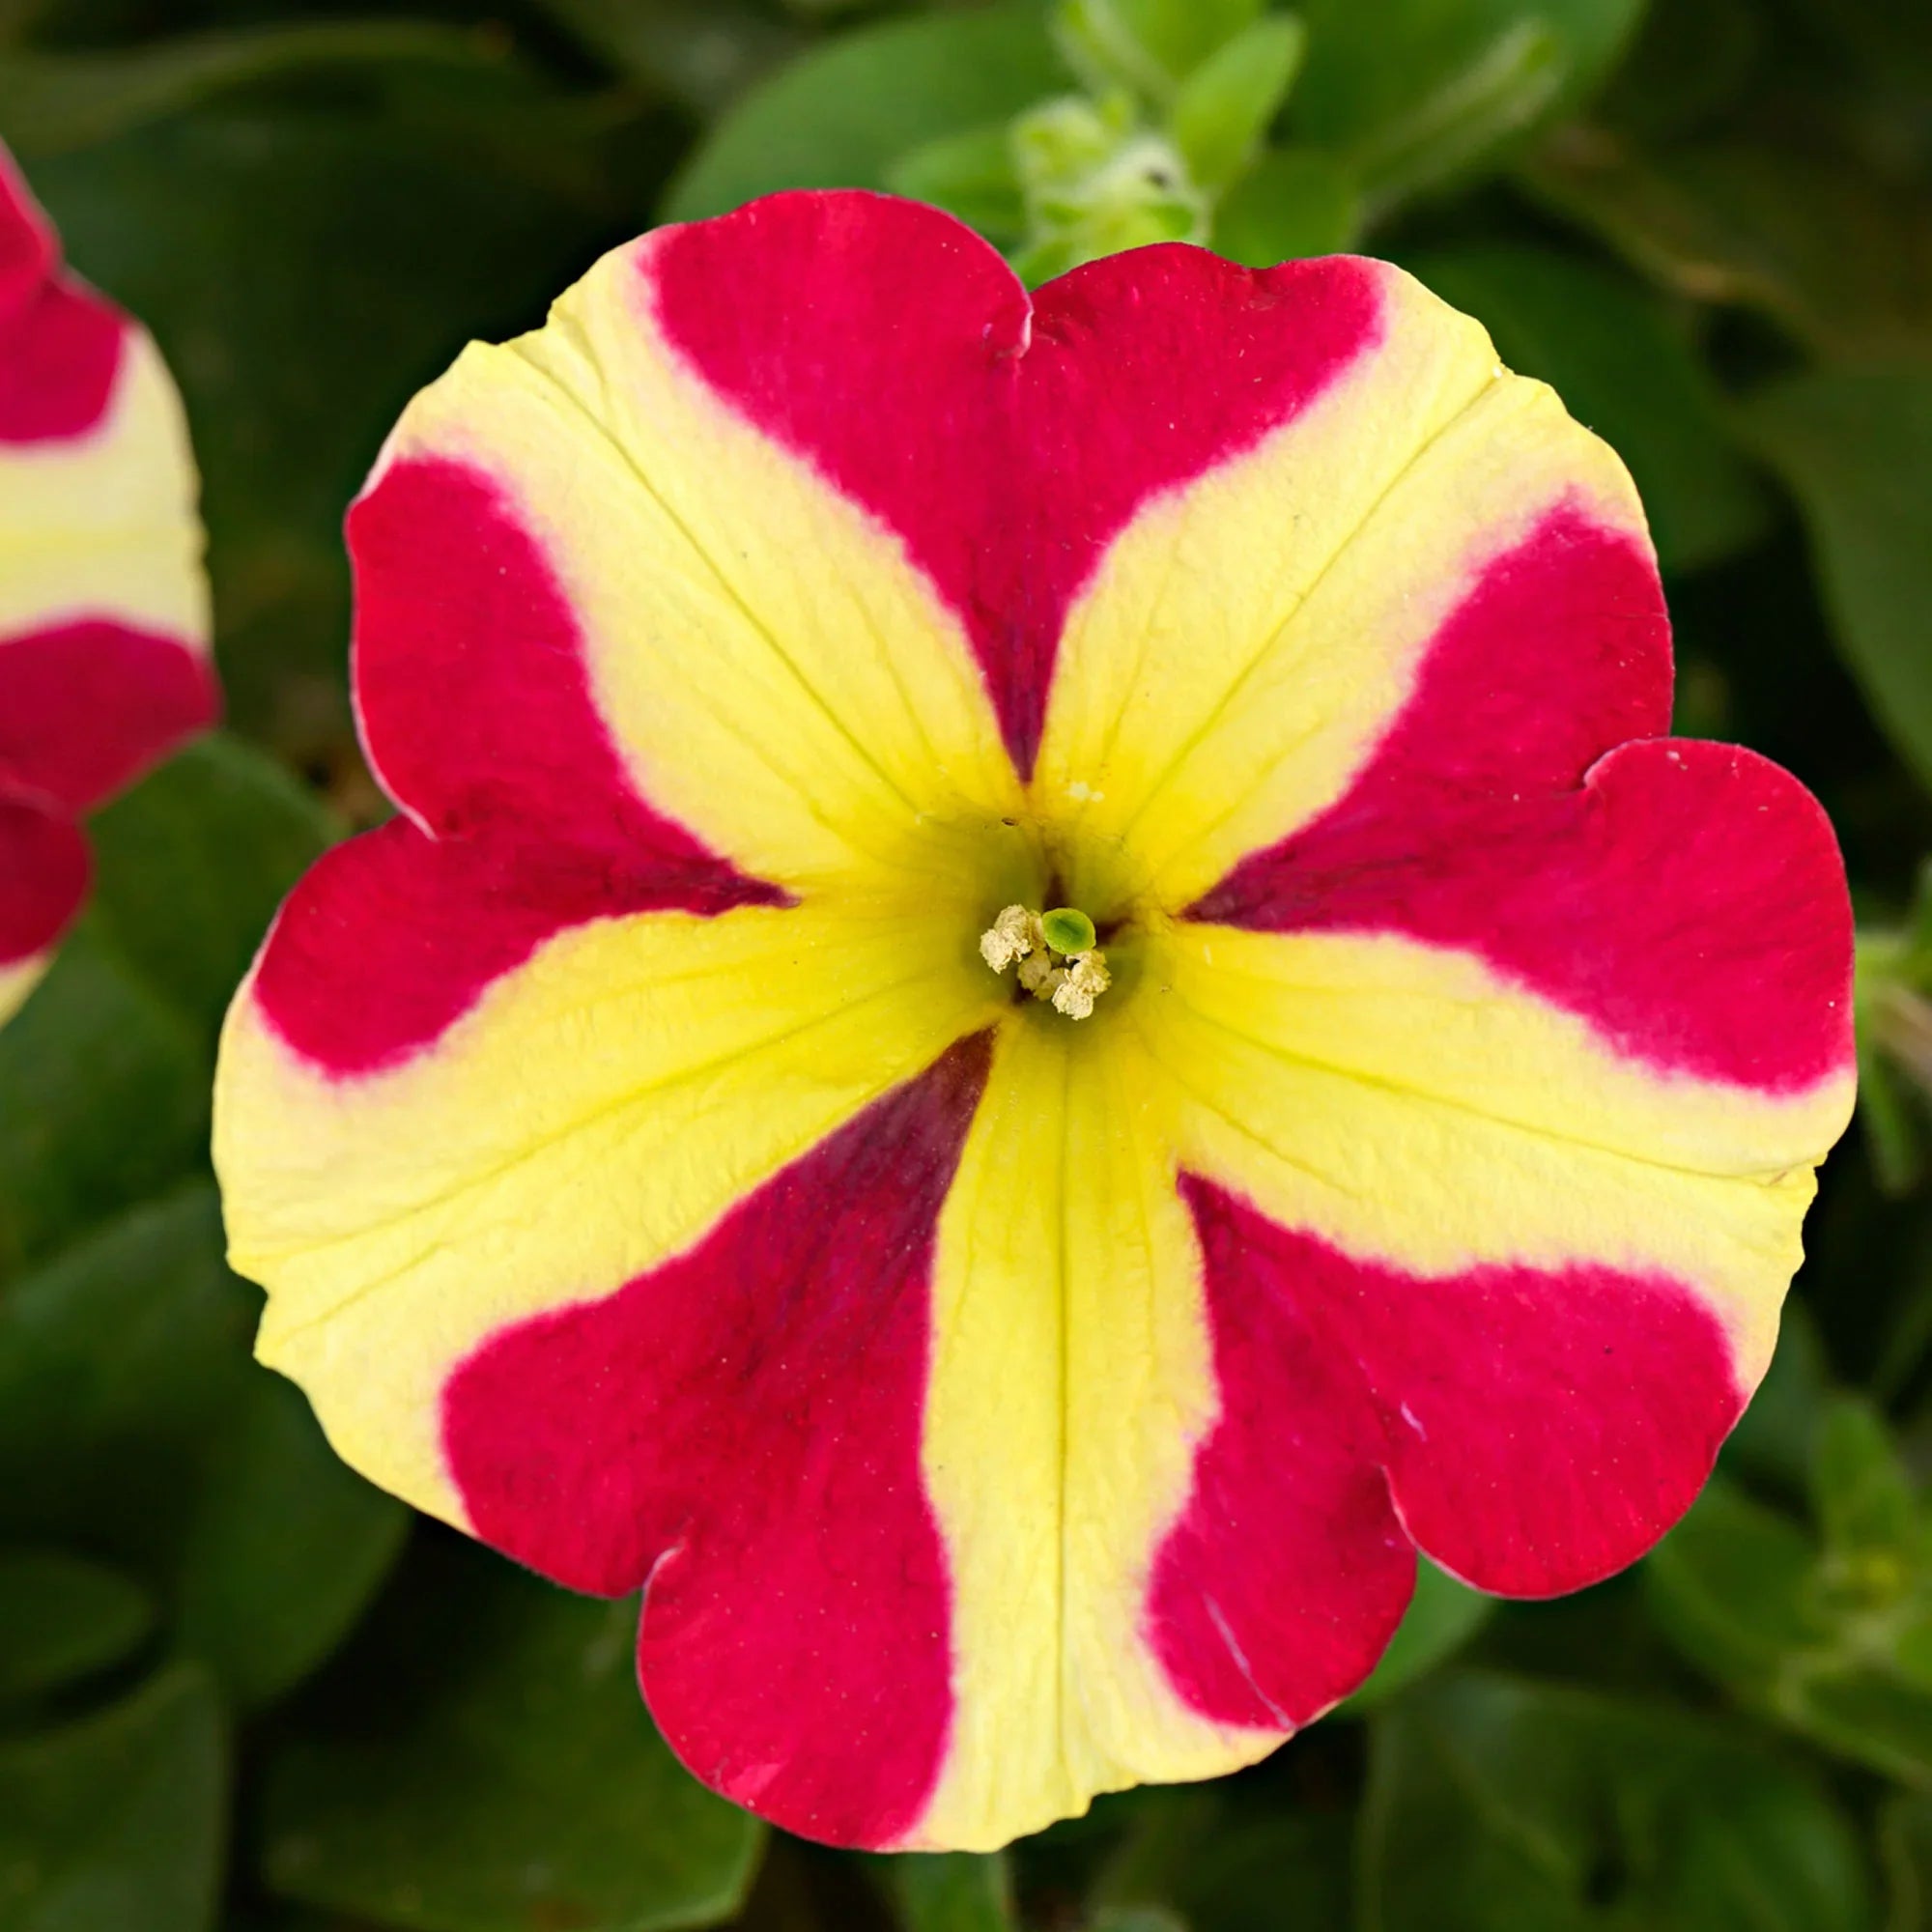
(780, 679)
(1405, 1104)
(1069, 1384)
(103, 525)
(1249, 638)
(598, 1109)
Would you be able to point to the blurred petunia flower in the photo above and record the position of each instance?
(666, 1148)
(103, 602)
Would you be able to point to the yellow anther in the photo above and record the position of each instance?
(1038, 974)
(1014, 934)
(1086, 978)
(1073, 980)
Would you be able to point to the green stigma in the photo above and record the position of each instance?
(1068, 930)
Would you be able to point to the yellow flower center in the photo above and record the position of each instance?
(1056, 954)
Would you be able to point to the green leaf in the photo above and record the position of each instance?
(1604, 346)
(285, 1548)
(1837, 1644)
(1096, 181)
(1442, 1617)
(104, 1074)
(115, 1823)
(479, 1760)
(132, 1419)
(1905, 1848)
(841, 115)
(1892, 1120)
(191, 866)
(1839, 256)
(699, 52)
(63, 1618)
(1494, 1803)
(1267, 1873)
(1772, 1439)
(1147, 47)
(1163, 1833)
(1856, 449)
(1466, 123)
(969, 175)
(1224, 107)
(103, 1098)
(1418, 93)
(1860, 1492)
(1731, 1585)
(952, 1891)
(53, 102)
(1293, 202)
(1205, 1858)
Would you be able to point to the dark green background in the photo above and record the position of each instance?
(240, 1688)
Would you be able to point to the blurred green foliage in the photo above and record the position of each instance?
(237, 1688)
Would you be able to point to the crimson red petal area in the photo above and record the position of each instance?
(1005, 442)
(389, 938)
(1288, 1572)
(477, 712)
(1687, 898)
(87, 707)
(29, 252)
(43, 875)
(60, 344)
(470, 680)
(1541, 1428)
(739, 1431)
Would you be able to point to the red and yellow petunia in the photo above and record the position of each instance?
(104, 606)
(659, 1169)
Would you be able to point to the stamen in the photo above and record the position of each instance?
(1087, 979)
(1055, 955)
(1014, 934)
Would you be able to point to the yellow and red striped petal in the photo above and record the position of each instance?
(589, 589)
(1556, 1260)
(1080, 1375)
(1505, 504)
(648, 1174)
(103, 606)
(416, 1152)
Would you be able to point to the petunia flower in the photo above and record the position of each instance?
(660, 1169)
(103, 604)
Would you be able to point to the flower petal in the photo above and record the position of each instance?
(44, 871)
(1005, 444)
(572, 538)
(387, 941)
(739, 1429)
(1687, 899)
(475, 701)
(596, 1106)
(1505, 559)
(1542, 1428)
(1107, 1587)
(29, 250)
(1243, 631)
(103, 606)
(60, 346)
(86, 707)
(1444, 1155)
